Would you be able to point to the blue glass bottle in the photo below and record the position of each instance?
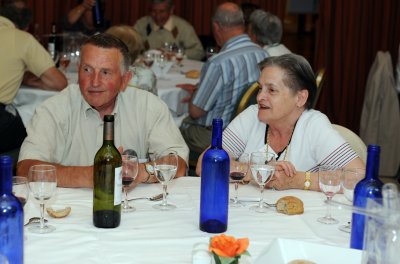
(97, 11)
(11, 216)
(368, 188)
(214, 197)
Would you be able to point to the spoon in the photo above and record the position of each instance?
(157, 197)
(34, 220)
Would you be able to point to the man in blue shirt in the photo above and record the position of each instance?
(223, 78)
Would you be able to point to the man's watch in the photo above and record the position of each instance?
(307, 181)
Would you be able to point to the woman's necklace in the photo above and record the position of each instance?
(286, 149)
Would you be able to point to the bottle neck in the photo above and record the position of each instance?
(108, 135)
(372, 168)
(216, 136)
(5, 179)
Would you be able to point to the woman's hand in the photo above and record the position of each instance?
(284, 176)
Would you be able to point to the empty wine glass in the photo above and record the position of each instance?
(165, 167)
(43, 185)
(262, 165)
(20, 189)
(238, 170)
(162, 63)
(129, 172)
(329, 178)
(350, 178)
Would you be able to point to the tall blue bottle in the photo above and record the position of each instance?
(11, 216)
(214, 197)
(368, 188)
(98, 20)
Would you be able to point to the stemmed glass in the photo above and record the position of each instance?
(148, 59)
(239, 168)
(165, 167)
(210, 51)
(20, 189)
(43, 185)
(350, 178)
(130, 166)
(262, 165)
(162, 63)
(329, 178)
(65, 58)
(180, 52)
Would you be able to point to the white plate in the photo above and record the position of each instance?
(282, 251)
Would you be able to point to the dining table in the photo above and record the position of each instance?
(28, 98)
(148, 235)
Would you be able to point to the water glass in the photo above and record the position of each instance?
(329, 182)
(20, 189)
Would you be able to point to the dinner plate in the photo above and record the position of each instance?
(285, 251)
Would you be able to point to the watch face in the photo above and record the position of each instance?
(307, 184)
(149, 168)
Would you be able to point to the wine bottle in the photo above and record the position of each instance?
(368, 188)
(98, 20)
(107, 180)
(51, 44)
(214, 197)
(11, 216)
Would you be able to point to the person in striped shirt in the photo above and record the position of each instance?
(282, 122)
(223, 78)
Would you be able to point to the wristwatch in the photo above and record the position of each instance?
(307, 181)
(150, 170)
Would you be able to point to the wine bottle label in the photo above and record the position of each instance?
(118, 186)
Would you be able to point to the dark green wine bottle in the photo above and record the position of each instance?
(107, 180)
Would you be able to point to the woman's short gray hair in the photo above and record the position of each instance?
(266, 27)
(299, 74)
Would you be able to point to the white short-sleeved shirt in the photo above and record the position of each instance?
(314, 141)
(66, 130)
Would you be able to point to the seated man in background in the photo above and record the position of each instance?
(23, 59)
(162, 26)
(224, 77)
(265, 29)
(67, 129)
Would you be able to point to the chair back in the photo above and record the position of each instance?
(249, 97)
(354, 140)
(320, 79)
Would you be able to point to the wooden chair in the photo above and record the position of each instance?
(320, 82)
(248, 98)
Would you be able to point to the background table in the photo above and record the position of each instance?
(151, 236)
(27, 98)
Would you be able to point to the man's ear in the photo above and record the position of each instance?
(125, 80)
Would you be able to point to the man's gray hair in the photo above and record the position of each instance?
(169, 2)
(228, 17)
(266, 27)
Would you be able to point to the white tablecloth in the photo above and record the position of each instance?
(151, 236)
(28, 99)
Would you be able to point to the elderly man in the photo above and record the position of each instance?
(224, 77)
(67, 129)
(23, 59)
(162, 26)
(265, 29)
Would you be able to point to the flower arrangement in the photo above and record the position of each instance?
(227, 249)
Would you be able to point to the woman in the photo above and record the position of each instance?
(282, 122)
(143, 77)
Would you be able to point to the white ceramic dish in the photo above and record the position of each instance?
(283, 251)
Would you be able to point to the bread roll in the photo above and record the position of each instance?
(290, 205)
(58, 213)
(193, 74)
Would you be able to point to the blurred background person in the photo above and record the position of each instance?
(143, 77)
(247, 9)
(23, 60)
(163, 26)
(80, 18)
(265, 29)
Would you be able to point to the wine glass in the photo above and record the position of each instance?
(165, 167)
(180, 52)
(65, 58)
(239, 168)
(20, 189)
(43, 185)
(162, 63)
(148, 59)
(262, 165)
(130, 166)
(210, 51)
(329, 182)
(350, 178)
